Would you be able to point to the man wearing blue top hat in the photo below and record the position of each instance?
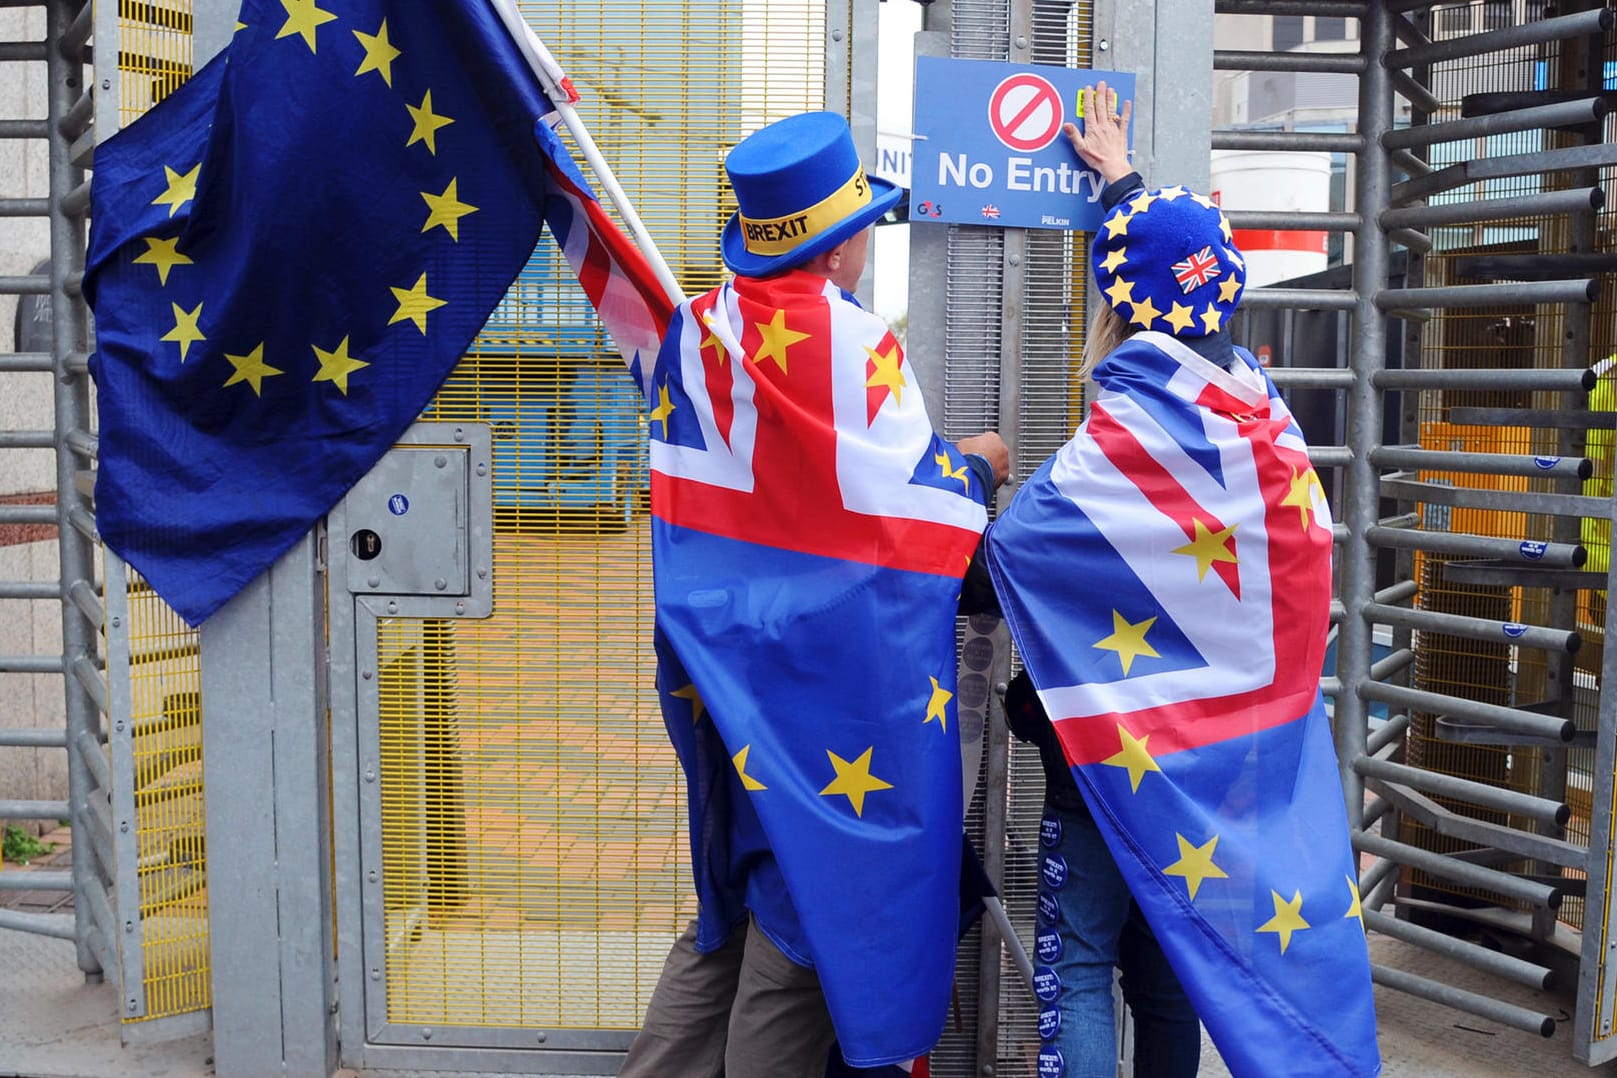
(809, 534)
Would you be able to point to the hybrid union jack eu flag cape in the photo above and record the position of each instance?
(1167, 578)
(809, 535)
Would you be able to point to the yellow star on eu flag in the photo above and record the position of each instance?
(1195, 864)
(938, 706)
(691, 693)
(163, 254)
(379, 53)
(1128, 640)
(251, 369)
(1301, 494)
(427, 123)
(663, 410)
(1208, 547)
(1288, 918)
(887, 371)
(180, 190)
(302, 18)
(1145, 312)
(446, 210)
(962, 473)
(337, 365)
(747, 781)
(1355, 908)
(414, 304)
(185, 331)
(854, 780)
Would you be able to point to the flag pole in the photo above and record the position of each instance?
(562, 95)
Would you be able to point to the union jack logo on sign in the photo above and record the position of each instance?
(991, 212)
(1196, 270)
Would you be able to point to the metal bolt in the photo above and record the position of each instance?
(460, 434)
(482, 572)
(460, 607)
(129, 926)
(134, 1004)
(482, 469)
(1014, 260)
(376, 974)
(366, 675)
(373, 582)
(1021, 42)
(371, 875)
(1104, 45)
(836, 35)
(118, 726)
(116, 622)
(440, 461)
(370, 774)
(392, 607)
(426, 1034)
(441, 584)
(106, 84)
(123, 826)
(540, 1036)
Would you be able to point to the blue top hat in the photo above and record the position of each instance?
(1166, 260)
(801, 190)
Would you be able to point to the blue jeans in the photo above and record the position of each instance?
(1088, 923)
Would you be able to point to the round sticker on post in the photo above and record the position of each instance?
(1048, 945)
(398, 505)
(1055, 869)
(1532, 549)
(1051, 1065)
(1049, 910)
(1050, 832)
(1049, 1023)
(1514, 629)
(1046, 985)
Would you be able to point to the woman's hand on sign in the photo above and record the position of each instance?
(1104, 141)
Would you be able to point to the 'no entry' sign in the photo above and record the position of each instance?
(1024, 112)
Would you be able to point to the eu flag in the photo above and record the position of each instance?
(1166, 576)
(288, 256)
(809, 533)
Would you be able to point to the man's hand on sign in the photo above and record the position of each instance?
(1104, 141)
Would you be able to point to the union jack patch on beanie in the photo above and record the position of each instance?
(1166, 260)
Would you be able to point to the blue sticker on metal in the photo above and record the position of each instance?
(1046, 984)
(398, 505)
(1532, 549)
(1514, 629)
(1054, 871)
(1049, 832)
(1051, 1065)
(1048, 945)
(1049, 1023)
(1546, 462)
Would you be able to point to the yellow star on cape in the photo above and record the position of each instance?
(251, 369)
(336, 366)
(747, 781)
(1115, 259)
(302, 17)
(1288, 918)
(1212, 319)
(1224, 228)
(379, 54)
(1168, 194)
(1118, 225)
(1207, 547)
(938, 706)
(1128, 640)
(663, 409)
(698, 706)
(1301, 495)
(1355, 909)
(1133, 755)
(1233, 257)
(180, 190)
(854, 780)
(1179, 317)
(712, 341)
(163, 255)
(1142, 202)
(427, 123)
(1195, 864)
(961, 473)
(1203, 200)
(1145, 312)
(185, 329)
(777, 338)
(414, 303)
(1121, 292)
(446, 210)
(888, 372)
(1228, 287)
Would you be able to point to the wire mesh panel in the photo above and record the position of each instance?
(533, 847)
(156, 738)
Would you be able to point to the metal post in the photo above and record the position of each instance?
(1364, 404)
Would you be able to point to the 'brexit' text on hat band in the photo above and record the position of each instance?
(779, 235)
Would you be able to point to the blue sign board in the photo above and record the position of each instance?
(989, 149)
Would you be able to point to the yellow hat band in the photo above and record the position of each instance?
(779, 235)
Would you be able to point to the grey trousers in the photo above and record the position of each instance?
(743, 1011)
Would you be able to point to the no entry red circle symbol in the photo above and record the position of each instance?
(1025, 112)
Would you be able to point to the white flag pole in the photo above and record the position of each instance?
(562, 95)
